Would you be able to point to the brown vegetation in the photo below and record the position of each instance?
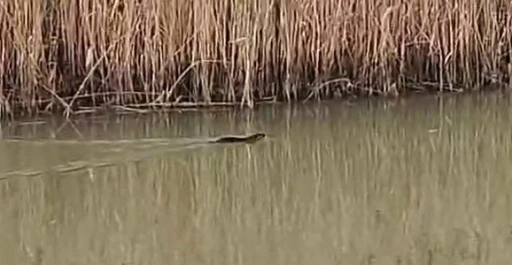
(66, 55)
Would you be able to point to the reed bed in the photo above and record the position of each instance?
(67, 56)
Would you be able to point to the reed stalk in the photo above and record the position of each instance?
(62, 55)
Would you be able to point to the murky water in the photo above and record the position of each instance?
(419, 181)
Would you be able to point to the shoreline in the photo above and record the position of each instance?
(347, 100)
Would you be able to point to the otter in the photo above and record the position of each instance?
(240, 139)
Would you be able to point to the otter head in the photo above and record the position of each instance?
(255, 137)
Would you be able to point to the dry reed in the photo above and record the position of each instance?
(65, 55)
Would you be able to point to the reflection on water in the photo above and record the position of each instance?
(417, 181)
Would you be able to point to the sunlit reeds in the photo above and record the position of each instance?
(66, 55)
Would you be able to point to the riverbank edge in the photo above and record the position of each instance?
(23, 114)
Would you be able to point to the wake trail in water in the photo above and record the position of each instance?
(108, 142)
(91, 164)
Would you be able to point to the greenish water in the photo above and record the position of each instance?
(425, 180)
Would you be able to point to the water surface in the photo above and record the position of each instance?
(423, 180)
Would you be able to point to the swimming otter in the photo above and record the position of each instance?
(240, 139)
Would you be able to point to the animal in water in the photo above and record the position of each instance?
(240, 139)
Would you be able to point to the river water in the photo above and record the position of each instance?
(422, 180)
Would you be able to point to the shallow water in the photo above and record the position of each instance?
(414, 181)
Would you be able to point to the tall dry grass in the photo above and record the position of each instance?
(67, 55)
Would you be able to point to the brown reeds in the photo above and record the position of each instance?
(68, 55)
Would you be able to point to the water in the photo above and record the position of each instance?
(424, 180)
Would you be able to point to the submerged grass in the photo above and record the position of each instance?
(65, 55)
